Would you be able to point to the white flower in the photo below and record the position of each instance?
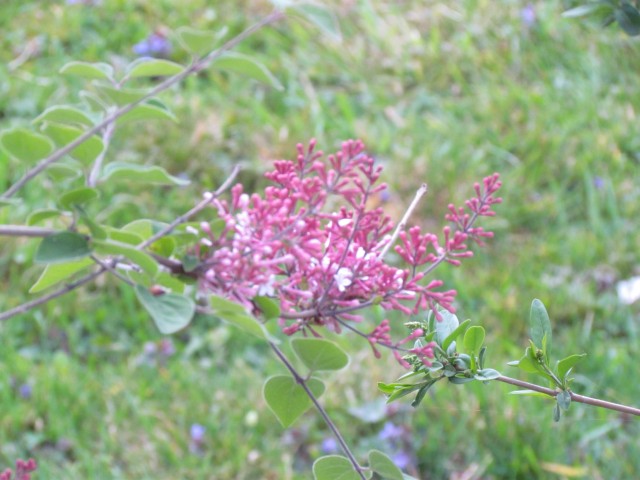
(343, 278)
(266, 289)
(629, 290)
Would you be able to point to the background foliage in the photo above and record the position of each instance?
(443, 92)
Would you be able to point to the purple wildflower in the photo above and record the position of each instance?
(329, 445)
(155, 45)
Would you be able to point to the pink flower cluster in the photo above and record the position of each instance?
(313, 243)
(24, 468)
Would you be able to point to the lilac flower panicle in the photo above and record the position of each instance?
(24, 468)
(313, 242)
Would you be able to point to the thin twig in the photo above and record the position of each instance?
(208, 198)
(92, 181)
(403, 223)
(596, 402)
(194, 67)
(25, 307)
(323, 413)
(24, 231)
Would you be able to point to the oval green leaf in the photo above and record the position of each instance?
(62, 135)
(319, 354)
(473, 340)
(199, 42)
(39, 216)
(384, 466)
(288, 400)
(566, 364)
(62, 247)
(25, 145)
(235, 314)
(100, 70)
(138, 257)
(268, 306)
(140, 173)
(334, 467)
(55, 273)
(144, 112)
(247, 66)
(540, 327)
(78, 197)
(65, 114)
(153, 67)
(487, 374)
(170, 312)
(445, 326)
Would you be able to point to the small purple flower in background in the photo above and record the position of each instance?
(25, 391)
(196, 438)
(528, 15)
(155, 45)
(167, 348)
(329, 445)
(391, 432)
(402, 459)
(598, 182)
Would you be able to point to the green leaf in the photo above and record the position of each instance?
(199, 42)
(164, 279)
(321, 17)
(121, 96)
(67, 169)
(556, 412)
(384, 466)
(269, 307)
(540, 327)
(402, 390)
(62, 135)
(101, 71)
(319, 354)
(140, 173)
(39, 216)
(97, 231)
(564, 400)
(628, 18)
(334, 467)
(486, 374)
(446, 326)
(79, 197)
(473, 340)
(582, 10)
(455, 334)
(123, 236)
(565, 365)
(145, 112)
(423, 391)
(65, 114)
(55, 273)
(62, 247)
(247, 66)
(170, 312)
(235, 314)
(152, 67)
(138, 257)
(288, 400)
(145, 228)
(25, 145)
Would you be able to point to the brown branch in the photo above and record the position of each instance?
(596, 402)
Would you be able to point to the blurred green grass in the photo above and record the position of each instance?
(442, 92)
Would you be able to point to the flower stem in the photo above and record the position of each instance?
(323, 413)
